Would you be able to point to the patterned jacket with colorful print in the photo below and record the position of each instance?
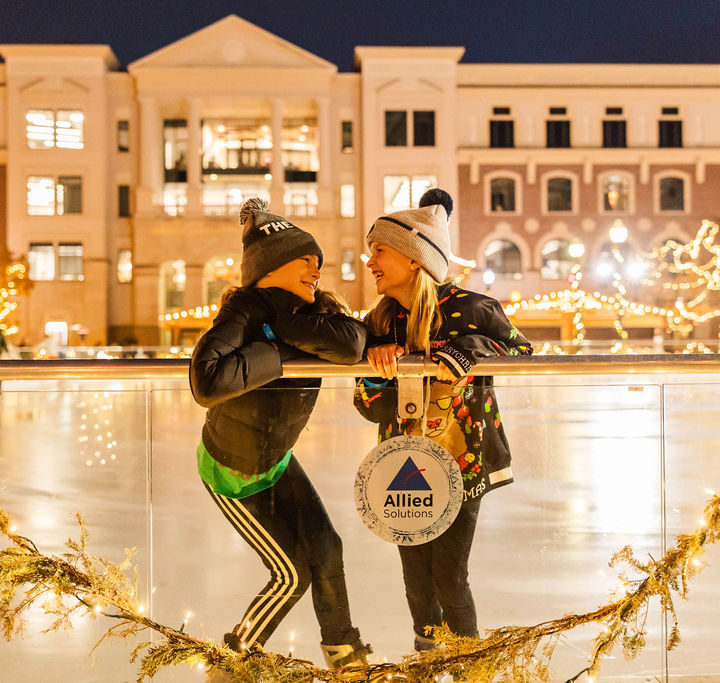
(463, 415)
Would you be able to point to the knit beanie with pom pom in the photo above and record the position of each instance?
(271, 241)
(420, 234)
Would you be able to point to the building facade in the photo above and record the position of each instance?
(122, 188)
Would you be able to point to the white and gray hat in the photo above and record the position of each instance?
(420, 234)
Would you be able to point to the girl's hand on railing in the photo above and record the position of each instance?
(445, 374)
(383, 359)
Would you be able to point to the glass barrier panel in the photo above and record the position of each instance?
(67, 450)
(692, 472)
(588, 468)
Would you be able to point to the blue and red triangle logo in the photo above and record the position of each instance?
(409, 478)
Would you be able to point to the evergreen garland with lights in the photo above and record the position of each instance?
(518, 653)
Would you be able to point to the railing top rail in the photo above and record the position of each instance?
(177, 368)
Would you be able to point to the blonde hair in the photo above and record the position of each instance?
(424, 316)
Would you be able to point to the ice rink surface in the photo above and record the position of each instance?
(597, 467)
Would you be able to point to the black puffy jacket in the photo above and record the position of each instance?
(254, 417)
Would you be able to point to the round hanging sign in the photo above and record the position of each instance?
(408, 490)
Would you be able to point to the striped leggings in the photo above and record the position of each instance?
(288, 527)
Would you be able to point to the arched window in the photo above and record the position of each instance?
(220, 272)
(503, 258)
(559, 194)
(558, 258)
(615, 193)
(672, 194)
(502, 194)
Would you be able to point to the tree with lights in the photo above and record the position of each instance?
(14, 282)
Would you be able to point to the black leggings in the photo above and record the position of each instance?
(288, 527)
(436, 577)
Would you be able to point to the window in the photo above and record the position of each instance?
(616, 193)
(226, 199)
(299, 150)
(614, 133)
(558, 111)
(670, 111)
(172, 282)
(613, 111)
(45, 197)
(45, 129)
(502, 194)
(124, 266)
(503, 258)
(219, 273)
(245, 146)
(559, 194)
(670, 133)
(424, 128)
(559, 256)
(123, 136)
(175, 198)
(70, 261)
(301, 200)
(502, 133)
(347, 201)
(347, 268)
(41, 260)
(175, 140)
(501, 111)
(124, 201)
(347, 137)
(395, 128)
(672, 194)
(404, 192)
(557, 133)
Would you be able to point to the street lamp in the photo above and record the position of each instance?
(618, 232)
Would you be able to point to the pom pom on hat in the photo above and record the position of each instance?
(437, 196)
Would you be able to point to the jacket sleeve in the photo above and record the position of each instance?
(375, 398)
(334, 337)
(223, 365)
(489, 334)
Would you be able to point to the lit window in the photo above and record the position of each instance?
(299, 150)
(175, 199)
(124, 265)
(616, 193)
(45, 197)
(672, 194)
(559, 257)
(41, 259)
(123, 136)
(226, 199)
(347, 268)
(347, 201)
(503, 258)
(502, 194)
(172, 279)
(175, 146)
(300, 200)
(219, 274)
(40, 196)
(559, 194)
(404, 192)
(245, 146)
(45, 129)
(70, 261)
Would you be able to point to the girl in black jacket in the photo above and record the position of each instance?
(457, 329)
(254, 419)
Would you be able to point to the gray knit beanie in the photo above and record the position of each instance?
(420, 234)
(271, 241)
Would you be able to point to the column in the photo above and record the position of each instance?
(325, 190)
(277, 187)
(194, 160)
(149, 193)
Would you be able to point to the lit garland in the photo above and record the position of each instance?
(509, 653)
(13, 282)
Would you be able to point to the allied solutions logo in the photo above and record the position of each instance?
(408, 490)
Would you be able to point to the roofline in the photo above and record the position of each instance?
(402, 52)
(143, 61)
(63, 50)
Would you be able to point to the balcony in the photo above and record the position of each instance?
(607, 452)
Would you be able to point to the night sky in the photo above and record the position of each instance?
(635, 31)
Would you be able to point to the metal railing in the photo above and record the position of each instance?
(177, 368)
